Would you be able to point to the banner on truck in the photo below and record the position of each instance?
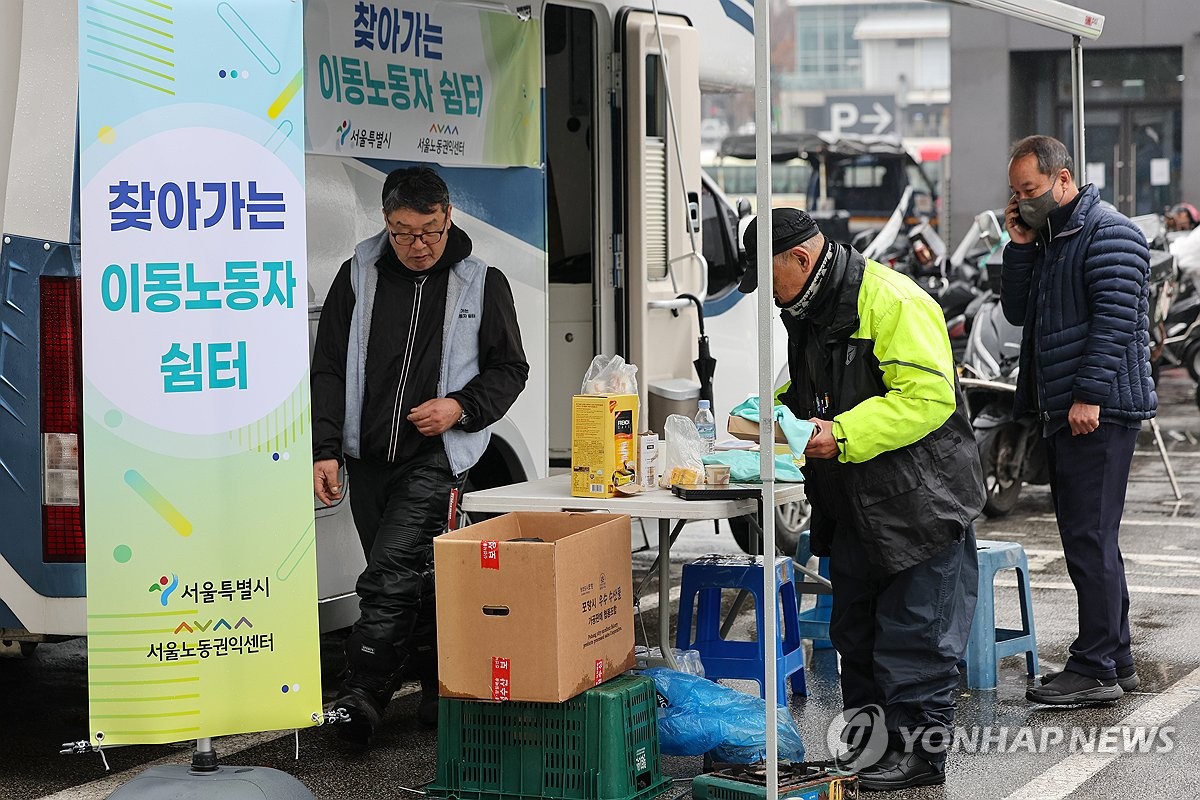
(423, 81)
(197, 482)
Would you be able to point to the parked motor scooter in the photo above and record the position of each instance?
(1012, 451)
(953, 285)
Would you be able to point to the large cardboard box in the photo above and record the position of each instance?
(604, 450)
(534, 620)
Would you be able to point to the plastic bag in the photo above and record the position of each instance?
(701, 716)
(681, 459)
(744, 466)
(688, 660)
(797, 431)
(610, 375)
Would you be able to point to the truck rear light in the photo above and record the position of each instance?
(62, 420)
(60, 469)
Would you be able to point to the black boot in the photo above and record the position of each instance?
(372, 667)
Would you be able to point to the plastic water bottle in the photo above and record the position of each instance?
(706, 426)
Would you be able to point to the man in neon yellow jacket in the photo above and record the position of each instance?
(894, 479)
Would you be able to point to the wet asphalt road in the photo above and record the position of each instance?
(45, 700)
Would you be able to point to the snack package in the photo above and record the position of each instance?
(681, 458)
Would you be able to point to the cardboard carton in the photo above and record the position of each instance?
(534, 620)
(603, 443)
(742, 428)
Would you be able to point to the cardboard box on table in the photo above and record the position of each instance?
(534, 620)
(742, 428)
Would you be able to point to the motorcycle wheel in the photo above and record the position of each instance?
(1191, 360)
(791, 519)
(996, 449)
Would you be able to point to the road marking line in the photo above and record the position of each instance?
(649, 601)
(1181, 592)
(1072, 772)
(1141, 523)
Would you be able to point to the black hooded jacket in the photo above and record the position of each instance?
(391, 393)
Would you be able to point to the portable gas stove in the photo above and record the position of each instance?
(811, 780)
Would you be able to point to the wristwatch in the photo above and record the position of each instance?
(463, 418)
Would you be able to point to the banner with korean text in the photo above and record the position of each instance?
(197, 481)
(423, 81)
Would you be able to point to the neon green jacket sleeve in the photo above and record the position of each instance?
(909, 339)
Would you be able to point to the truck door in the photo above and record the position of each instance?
(660, 167)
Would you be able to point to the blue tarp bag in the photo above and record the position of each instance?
(698, 716)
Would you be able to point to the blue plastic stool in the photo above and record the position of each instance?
(988, 644)
(703, 580)
(814, 622)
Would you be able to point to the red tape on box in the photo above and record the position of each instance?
(489, 555)
(599, 671)
(500, 684)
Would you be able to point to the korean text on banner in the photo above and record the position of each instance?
(201, 571)
(423, 81)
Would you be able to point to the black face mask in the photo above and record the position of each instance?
(1035, 211)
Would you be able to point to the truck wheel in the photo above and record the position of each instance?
(1191, 360)
(790, 520)
(997, 448)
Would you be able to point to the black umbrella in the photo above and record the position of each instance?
(706, 365)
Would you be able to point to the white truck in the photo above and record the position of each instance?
(597, 240)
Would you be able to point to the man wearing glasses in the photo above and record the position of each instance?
(418, 352)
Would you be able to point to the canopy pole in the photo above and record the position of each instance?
(1077, 108)
(766, 379)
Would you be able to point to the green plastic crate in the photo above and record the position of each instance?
(601, 745)
(796, 782)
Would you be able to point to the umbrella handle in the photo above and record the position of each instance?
(699, 308)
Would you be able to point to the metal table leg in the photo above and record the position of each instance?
(664, 591)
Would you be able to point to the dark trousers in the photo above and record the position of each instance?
(398, 509)
(1088, 478)
(901, 636)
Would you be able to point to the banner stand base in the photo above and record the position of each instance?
(205, 780)
(224, 783)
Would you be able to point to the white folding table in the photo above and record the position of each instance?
(554, 494)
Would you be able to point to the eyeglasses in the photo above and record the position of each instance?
(428, 237)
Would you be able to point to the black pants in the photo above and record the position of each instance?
(1088, 478)
(901, 636)
(398, 509)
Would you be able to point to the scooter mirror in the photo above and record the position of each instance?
(989, 226)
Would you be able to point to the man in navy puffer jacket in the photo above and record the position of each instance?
(1076, 277)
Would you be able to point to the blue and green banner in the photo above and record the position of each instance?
(423, 81)
(197, 482)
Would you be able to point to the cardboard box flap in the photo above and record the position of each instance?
(549, 526)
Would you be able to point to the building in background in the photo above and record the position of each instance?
(1141, 102)
(873, 68)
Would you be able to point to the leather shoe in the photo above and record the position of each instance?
(905, 772)
(1070, 689)
(1127, 678)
